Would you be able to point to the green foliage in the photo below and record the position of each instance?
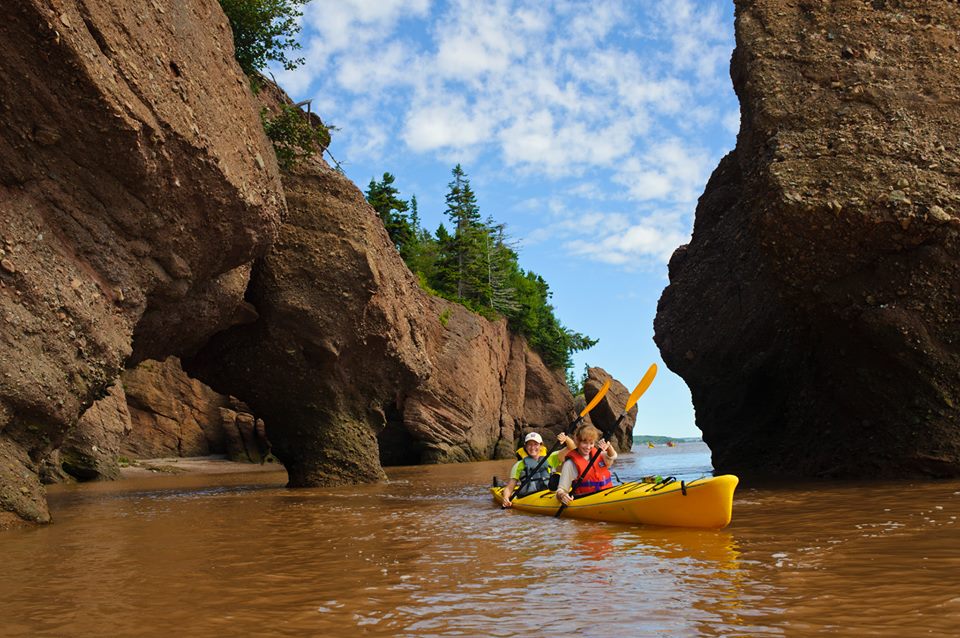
(382, 196)
(445, 317)
(474, 264)
(575, 384)
(294, 138)
(263, 30)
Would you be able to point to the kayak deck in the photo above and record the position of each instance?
(705, 502)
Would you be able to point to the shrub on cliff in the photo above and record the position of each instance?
(294, 137)
(263, 30)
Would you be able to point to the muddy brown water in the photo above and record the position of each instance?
(427, 554)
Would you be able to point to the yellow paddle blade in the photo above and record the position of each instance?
(593, 403)
(642, 386)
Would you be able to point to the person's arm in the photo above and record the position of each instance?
(568, 474)
(568, 442)
(508, 491)
(609, 454)
(512, 483)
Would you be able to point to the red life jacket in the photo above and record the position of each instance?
(598, 478)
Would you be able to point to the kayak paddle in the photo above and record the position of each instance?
(634, 397)
(556, 446)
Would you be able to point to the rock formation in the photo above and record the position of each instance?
(339, 337)
(352, 366)
(814, 313)
(172, 414)
(487, 387)
(137, 190)
(91, 450)
(604, 416)
(133, 174)
(156, 411)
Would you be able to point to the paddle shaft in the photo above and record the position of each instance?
(593, 459)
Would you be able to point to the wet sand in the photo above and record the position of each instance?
(141, 468)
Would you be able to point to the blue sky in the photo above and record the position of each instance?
(588, 127)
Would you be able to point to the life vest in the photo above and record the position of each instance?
(522, 453)
(533, 482)
(598, 478)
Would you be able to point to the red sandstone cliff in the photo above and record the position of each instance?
(137, 191)
(134, 176)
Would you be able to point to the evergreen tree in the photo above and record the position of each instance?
(469, 238)
(475, 264)
(502, 267)
(443, 274)
(383, 197)
(415, 216)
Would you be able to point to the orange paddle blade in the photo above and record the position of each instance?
(642, 386)
(593, 403)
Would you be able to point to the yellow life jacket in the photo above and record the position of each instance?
(522, 453)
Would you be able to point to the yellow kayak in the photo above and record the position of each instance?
(705, 502)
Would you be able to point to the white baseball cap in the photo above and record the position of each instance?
(533, 436)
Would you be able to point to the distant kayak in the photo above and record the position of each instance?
(705, 502)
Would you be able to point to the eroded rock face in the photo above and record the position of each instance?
(173, 415)
(133, 173)
(814, 313)
(91, 449)
(156, 411)
(487, 387)
(352, 366)
(339, 341)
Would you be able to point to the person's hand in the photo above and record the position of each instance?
(507, 503)
(565, 498)
(562, 437)
(602, 445)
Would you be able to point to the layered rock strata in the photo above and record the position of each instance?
(172, 414)
(815, 313)
(486, 388)
(606, 414)
(133, 173)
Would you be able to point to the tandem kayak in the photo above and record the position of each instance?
(705, 502)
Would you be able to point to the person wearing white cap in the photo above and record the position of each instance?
(530, 472)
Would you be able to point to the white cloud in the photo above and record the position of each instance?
(634, 247)
(383, 66)
(668, 170)
(438, 126)
(731, 121)
(603, 102)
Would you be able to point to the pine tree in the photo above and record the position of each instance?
(443, 277)
(501, 268)
(469, 239)
(383, 197)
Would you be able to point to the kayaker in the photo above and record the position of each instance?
(587, 440)
(522, 469)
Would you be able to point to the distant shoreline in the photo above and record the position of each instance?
(650, 438)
